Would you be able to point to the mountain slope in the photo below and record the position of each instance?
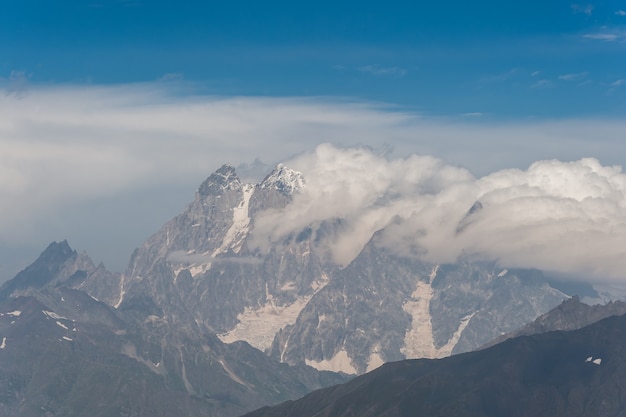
(213, 266)
(576, 373)
(64, 352)
(571, 314)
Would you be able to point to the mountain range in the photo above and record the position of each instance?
(292, 301)
(212, 318)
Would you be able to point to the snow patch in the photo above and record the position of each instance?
(596, 361)
(199, 269)
(62, 325)
(122, 292)
(419, 341)
(503, 273)
(232, 375)
(52, 315)
(374, 361)
(15, 313)
(258, 326)
(67, 338)
(238, 231)
(4, 343)
(284, 179)
(341, 362)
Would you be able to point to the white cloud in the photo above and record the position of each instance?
(620, 13)
(617, 83)
(383, 71)
(568, 217)
(172, 77)
(573, 76)
(75, 161)
(602, 36)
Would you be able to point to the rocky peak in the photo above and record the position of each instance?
(469, 216)
(57, 251)
(284, 179)
(44, 270)
(225, 178)
(571, 314)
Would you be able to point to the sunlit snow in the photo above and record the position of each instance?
(419, 341)
(241, 221)
(341, 362)
(596, 361)
(53, 315)
(285, 179)
(374, 361)
(258, 326)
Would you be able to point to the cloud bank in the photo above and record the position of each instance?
(568, 217)
(105, 166)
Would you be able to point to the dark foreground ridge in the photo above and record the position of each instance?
(575, 373)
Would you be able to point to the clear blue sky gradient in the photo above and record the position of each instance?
(499, 59)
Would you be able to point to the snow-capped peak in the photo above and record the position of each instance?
(225, 178)
(284, 179)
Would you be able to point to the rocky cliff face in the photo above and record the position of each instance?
(207, 267)
(63, 352)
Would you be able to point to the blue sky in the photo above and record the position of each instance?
(114, 111)
(497, 59)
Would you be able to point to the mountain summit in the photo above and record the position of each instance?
(225, 178)
(210, 266)
(283, 179)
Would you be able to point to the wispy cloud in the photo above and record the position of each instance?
(17, 83)
(543, 83)
(615, 85)
(609, 37)
(620, 13)
(585, 9)
(383, 71)
(573, 76)
(172, 77)
(560, 216)
(608, 34)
